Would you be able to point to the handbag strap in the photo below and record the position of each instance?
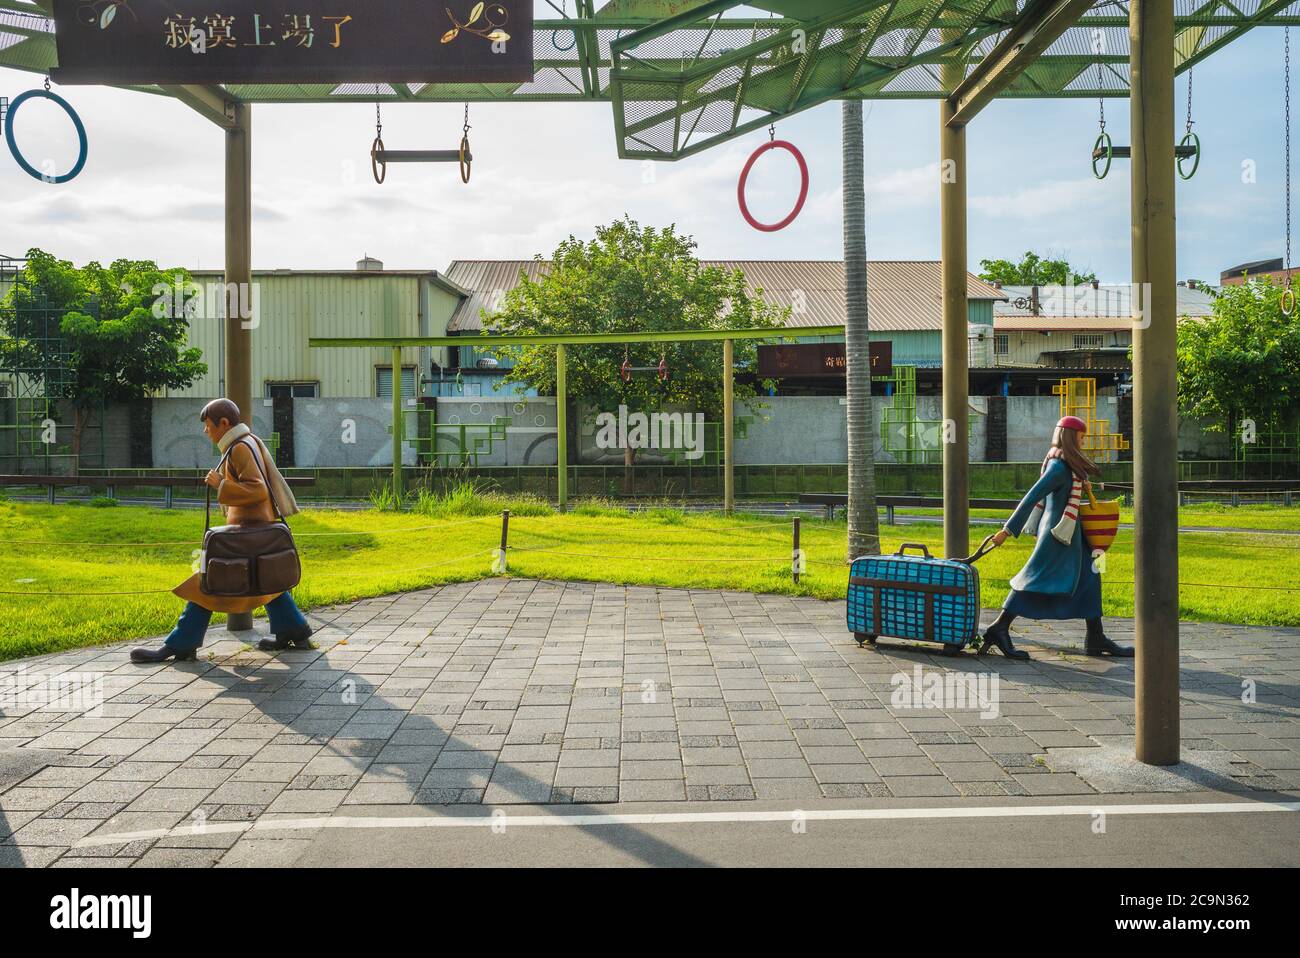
(257, 461)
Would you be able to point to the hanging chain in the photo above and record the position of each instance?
(47, 84)
(1189, 99)
(1287, 128)
(379, 119)
(771, 132)
(1101, 86)
(467, 126)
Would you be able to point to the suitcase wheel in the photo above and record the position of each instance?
(951, 650)
(864, 639)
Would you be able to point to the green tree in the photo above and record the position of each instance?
(633, 279)
(1032, 270)
(114, 334)
(1243, 362)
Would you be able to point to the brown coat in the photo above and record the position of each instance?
(244, 496)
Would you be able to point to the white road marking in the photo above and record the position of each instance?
(501, 818)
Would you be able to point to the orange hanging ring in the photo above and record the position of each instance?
(803, 186)
(380, 170)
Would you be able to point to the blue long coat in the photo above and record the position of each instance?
(1053, 568)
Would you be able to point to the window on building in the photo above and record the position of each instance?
(292, 390)
(384, 382)
(1089, 340)
(1001, 344)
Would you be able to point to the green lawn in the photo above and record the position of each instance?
(1227, 577)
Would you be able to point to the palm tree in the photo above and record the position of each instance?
(864, 523)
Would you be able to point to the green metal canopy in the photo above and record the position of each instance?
(685, 75)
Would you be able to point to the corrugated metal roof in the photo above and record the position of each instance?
(1083, 307)
(901, 294)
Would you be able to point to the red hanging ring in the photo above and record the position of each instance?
(663, 370)
(803, 186)
(625, 371)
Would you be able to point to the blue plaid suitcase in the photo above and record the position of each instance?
(915, 597)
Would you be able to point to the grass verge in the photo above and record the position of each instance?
(347, 555)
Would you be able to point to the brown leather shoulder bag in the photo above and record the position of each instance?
(248, 560)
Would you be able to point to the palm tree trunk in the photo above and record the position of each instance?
(864, 523)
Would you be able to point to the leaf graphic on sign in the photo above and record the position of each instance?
(451, 34)
(475, 14)
(107, 16)
(498, 36)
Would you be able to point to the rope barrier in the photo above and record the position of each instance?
(192, 543)
(414, 568)
(593, 555)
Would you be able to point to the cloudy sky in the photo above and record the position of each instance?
(152, 188)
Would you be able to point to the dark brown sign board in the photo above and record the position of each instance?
(293, 41)
(818, 359)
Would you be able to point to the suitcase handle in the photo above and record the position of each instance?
(902, 550)
(987, 546)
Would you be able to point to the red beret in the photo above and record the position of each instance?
(1073, 422)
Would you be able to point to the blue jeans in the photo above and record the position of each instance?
(192, 626)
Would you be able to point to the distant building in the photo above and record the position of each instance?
(1076, 330)
(904, 304)
(1272, 268)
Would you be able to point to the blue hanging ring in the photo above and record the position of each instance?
(13, 144)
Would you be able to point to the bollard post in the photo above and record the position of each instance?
(49, 490)
(796, 551)
(889, 515)
(167, 497)
(505, 535)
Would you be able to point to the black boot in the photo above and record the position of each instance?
(162, 654)
(1096, 642)
(296, 638)
(998, 636)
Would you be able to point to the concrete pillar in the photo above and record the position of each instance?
(729, 425)
(1155, 413)
(239, 281)
(956, 372)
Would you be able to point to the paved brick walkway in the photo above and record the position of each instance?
(511, 691)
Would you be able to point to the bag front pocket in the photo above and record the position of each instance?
(231, 577)
(278, 571)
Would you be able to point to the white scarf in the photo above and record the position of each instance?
(1063, 531)
(279, 489)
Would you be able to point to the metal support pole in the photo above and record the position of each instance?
(1155, 415)
(562, 425)
(505, 535)
(239, 283)
(239, 262)
(729, 426)
(956, 351)
(397, 428)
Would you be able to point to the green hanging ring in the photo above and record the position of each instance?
(1194, 141)
(1103, 141)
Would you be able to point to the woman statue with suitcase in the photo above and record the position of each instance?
(1060, 580)
(246, 479)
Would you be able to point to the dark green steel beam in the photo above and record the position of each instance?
(575, 339)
